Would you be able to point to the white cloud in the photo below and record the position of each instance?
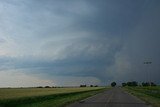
(19, 79)
(121, 69)
(75, 81)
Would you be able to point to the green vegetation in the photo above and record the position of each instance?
(44, 97)
(113, 84)
(134, 83)
(149, 94)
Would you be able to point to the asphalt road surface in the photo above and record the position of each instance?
(115, 97)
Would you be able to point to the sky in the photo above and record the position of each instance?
(73, 42)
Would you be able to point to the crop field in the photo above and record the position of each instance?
(149, 94)
(44, 97)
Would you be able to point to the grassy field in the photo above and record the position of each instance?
(151, 95)
(44, 97)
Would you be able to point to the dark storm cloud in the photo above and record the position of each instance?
(111, 17)
(104, 39)
(91, 60)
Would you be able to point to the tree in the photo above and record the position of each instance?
(133, 83)
(113, 84)
(47, 87)
(91, 85)
(145, 84)
(39, 87)
(124, 84)
(153, 84)
(148, 84)
(83, 85)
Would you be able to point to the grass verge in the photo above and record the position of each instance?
(54, 100)
(151, 95)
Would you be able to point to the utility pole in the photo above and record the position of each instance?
(149, 75)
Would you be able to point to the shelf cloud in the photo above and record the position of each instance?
(68, 43)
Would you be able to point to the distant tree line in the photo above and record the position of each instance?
(84, 85)
(93, 85)
(134, 83)
(48, 87)
(148, 84)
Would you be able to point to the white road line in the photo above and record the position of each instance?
(109, 99)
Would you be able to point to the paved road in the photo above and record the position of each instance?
(115, 97)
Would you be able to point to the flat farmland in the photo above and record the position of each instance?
(48, 97)
(150, 95)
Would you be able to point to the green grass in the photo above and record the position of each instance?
(44, 97)
(150, 95)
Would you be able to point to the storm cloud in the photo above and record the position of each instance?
(78, 42)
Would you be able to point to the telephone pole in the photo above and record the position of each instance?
(148, 72)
